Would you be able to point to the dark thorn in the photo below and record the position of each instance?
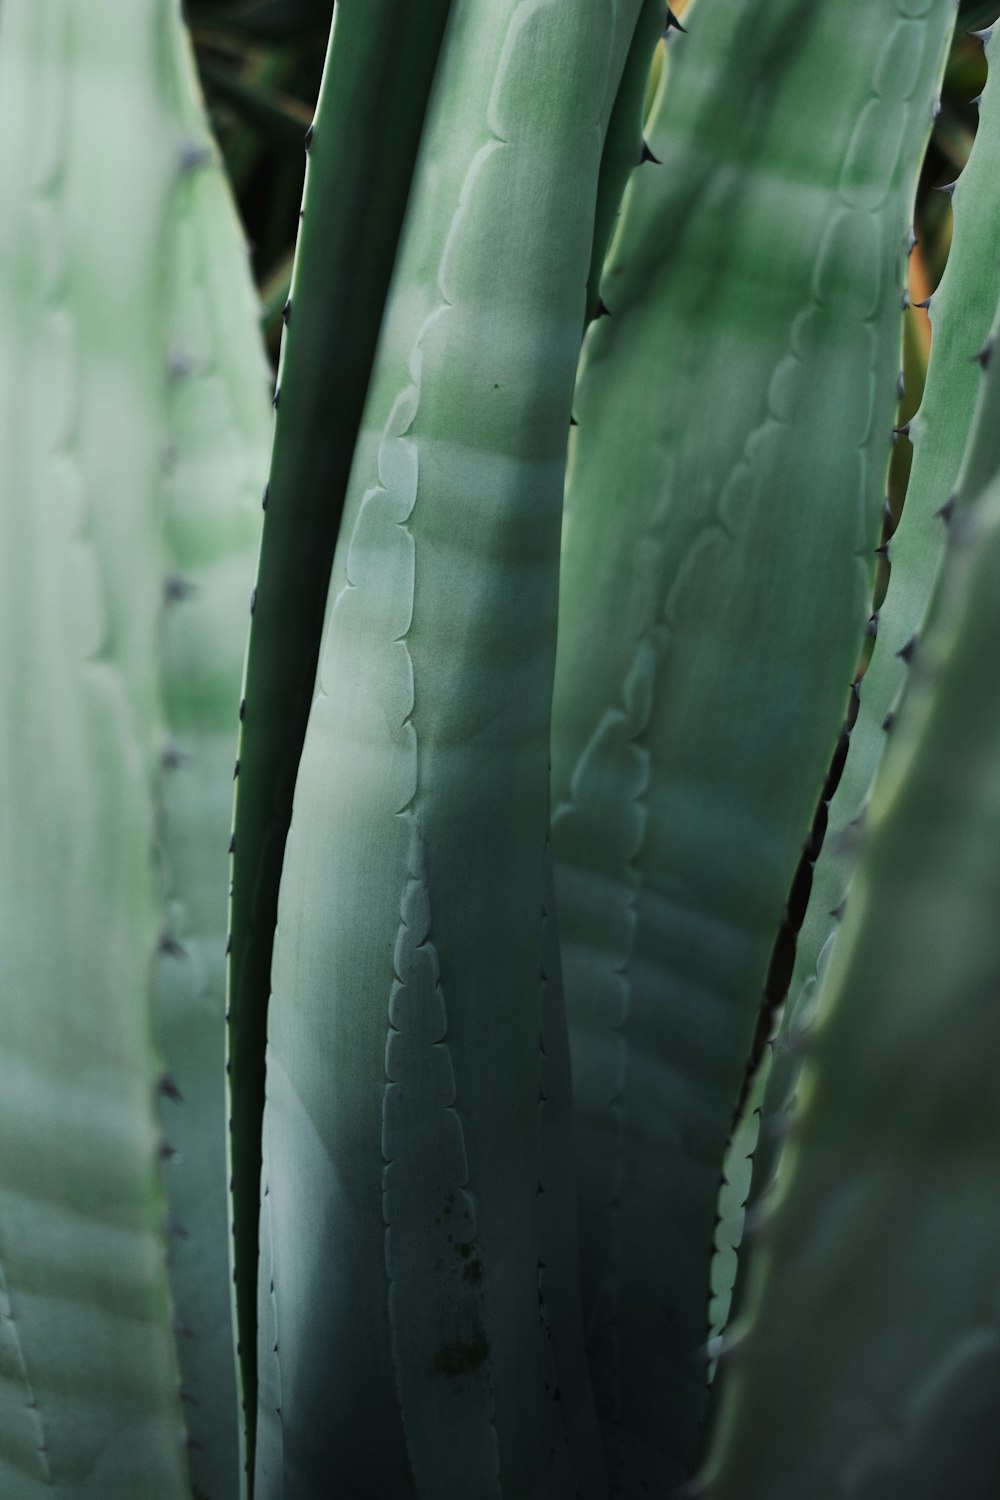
(263, 498)
(309, 137)
(229, 1069)
(167, 1152)
(286, 312)
(672, 21)
(171, 756)
(573, 422)
(985, 354)
(905, 653)
(603, 310)
(229, 1015)
(947, 510)
(229, 943)
(253, 600)
(176, 1229)
(180, 364)
(169, 944)
(236, 768)
(925, 303)
(232, 844)
(838, 911)
(882, 551)
(276, 397)
(888, 721)
(647, 155)
(168, 1088)
(900, 387)
(903, 430)
(243, 708)
(176, 587)
(871, 629)
(192, 155)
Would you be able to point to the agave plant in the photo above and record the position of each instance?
(587, 671)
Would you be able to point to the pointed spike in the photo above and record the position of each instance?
(172, 756)
(309, 137)
(169, 944)
(176, 587)
(924, 303)
(286, 312)
(985, 354)
(672, 22)
(168, 1088)
(947, 510)
(603, 310)
(647, 155)
(888, 721)
(948, 188)
(905, 652)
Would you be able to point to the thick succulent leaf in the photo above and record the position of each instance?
(219, 428)
(944, 433)
(89, 1381)
(404, 1141)
(624, 147)
(867, 1357)
(723, 504)
(378, 75)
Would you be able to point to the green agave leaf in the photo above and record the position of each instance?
(219, 428)
(723, 502)
(378, 75)
(947, 429)
(866, 1362)
(89, 1379)
(406, 1302)
(624, 147)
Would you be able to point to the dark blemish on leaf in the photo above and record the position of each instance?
(459, 1356)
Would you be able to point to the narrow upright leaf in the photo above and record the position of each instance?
(89, 1379)
(867, 1358)
(724, 497)
(379, 70)
(403, 1153)
(943, 432)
